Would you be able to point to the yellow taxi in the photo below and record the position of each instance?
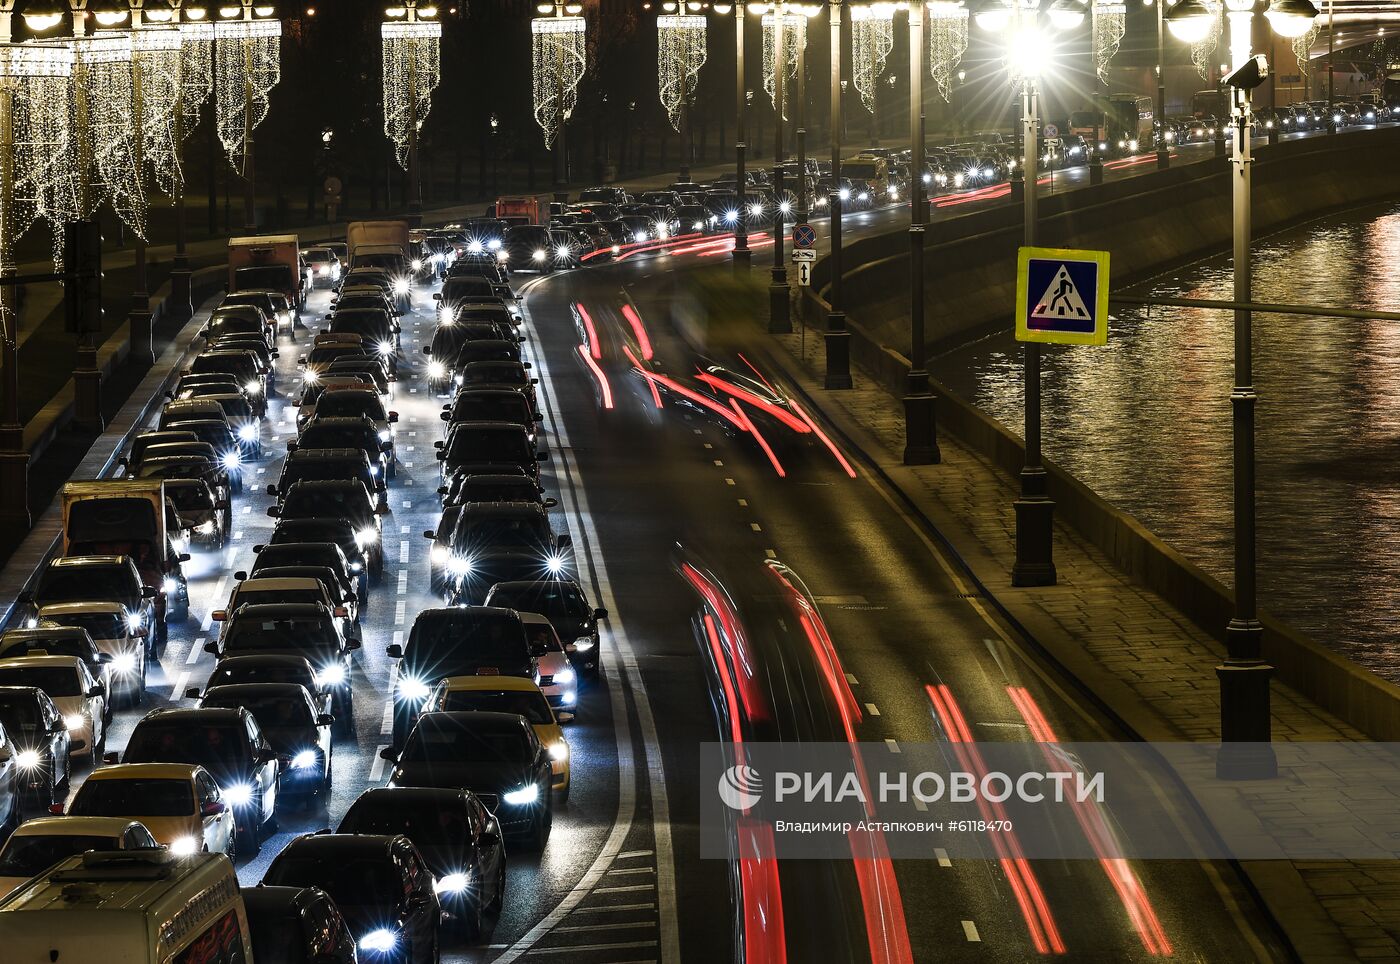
(510, 694)
(179, 803)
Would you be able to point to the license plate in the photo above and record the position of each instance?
(488, 671)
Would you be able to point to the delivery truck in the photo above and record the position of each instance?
(269, 262)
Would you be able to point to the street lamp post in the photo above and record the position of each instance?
(743, 257)
(779, 307)
(920, 427)
(1163, 153)
(1244, 677)
(837, 338)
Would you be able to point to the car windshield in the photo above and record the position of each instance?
(351, 302)
(133, 798)
(363, 882)
(423, 823)
(316, 257)
(357, 323)
(457, 288)
(98, 625)
(213, 746)
(272, 711)
(486, 374)
(352, 404)
(19, 715)
(340, 501)
(502, 532)
(225, 674)
(57, 681)
(435, 740)
(26, 856)
(83, 583)
(190, 496)
(53, 645)
(531, 704)
(462, 639)
(314, 530)
(296, 635)
(489, 445)
(321, 470)
(522, 491)
(336, 437)
(552, 599)
(254, 596)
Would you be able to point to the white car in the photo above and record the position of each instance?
(557, 679)
(117, 633)
(74, 691)
(38, 844)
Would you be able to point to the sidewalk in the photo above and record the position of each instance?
(1147, 663)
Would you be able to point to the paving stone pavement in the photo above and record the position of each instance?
(1148, 663)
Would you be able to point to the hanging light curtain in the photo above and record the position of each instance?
(196, 72)
(37, 77)
(872, 39)
(157, 52)
(249, 52)
(412, 69)
(947, 41)
(680, 53)
(102, 162)
(1302, 48)
(794, 32)
(1110, 22)
(558, 59)
(1203, 53)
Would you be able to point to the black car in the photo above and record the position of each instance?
(226, 742)
(39, 743)
(493, 405)
(321, 555)
(331, 499)
(320, 465)
(83, 578)
(494, 755)
(527, 248)
(488, 447)
(563, 603)
(490, 566)
(267, 668)
(296, 629)
(145, 440)
(458, 838)
(487, 527)
(297, 925)
(293, 725)
(457, 641)
(341, 433)
(337, 531)
(500, 487)
(381, 884)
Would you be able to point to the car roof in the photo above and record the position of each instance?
(430, 795)
(271, 583)
(328, 454)
(73, 562)
(504, 509)
(343, 843)
(491, 684)
(264, 659)
(55, 631)
(307, 485)
(76, 826)
(194, 715)
(145, 771)
(34, 662)
(281, 611)
(363, 421)
(460, 611)
(469, 719)
(69, 608)
(562, 578)
(289, 690)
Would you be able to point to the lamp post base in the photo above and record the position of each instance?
(779, 304)
(87, 393)
(1035, 540)
(179, 304)
(743, 260)
(14, 481)
(1018, 187)
(138, 321)
(920, 422)
(1164, 159)
(1245, 750)
(838, 352)
(1096, 170)
(1220, 145)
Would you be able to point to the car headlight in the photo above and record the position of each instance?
(386, 348)
(459, 565)
(559, 751)
(135, 621)
(562, 252)
(731, 216)
(205, 528)
(494, 244)
(503, 255)
(356, 567)
(310, 377)
(439, 555)
(785, 207)
(959, 180)
(583, 644)
(381, 940)
(168, 585)
(436, 370)
(474, 247)
(417, 264)
(332, 675)
(564, 676)
(697, 226)
(124, 663)
(253, 387)
(304, 760)
(1122, 144)
(384, 435)
(539, 254)
(231, 460)
(756, 210)
(239, 795)
(894, 194)
(555, 564)
(367, 536)
(324, 269)
(414, 690)
(248, 432)
(454, 883)
(640, 236)
(27, 759)
(374, 471)
(844, 194)
(181, 846)
(400, 286)
(74, 721)
(523, 797)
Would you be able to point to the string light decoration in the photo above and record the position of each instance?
(196, 72)
(412, 57)
(947, 42)
(1203, 53)
(793, 27)
(36, 76)
(872, 39)
(102, 154)
(1110, 22)
(157, 53)
(558, 58)
(247, 52)
(680, 53)
(1302, 49)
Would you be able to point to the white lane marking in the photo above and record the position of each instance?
(631, 854)
(195, 650)
(611, 908)
(621, 662)
(851, 678)
(617, 926)
(398, 641)
(893, 746)
(755, 527)
(719, 463)
(571, 948)
(386, 725)
(216, 595)
(403, 550)
(970, 931)
(403, 580)
(872, 709)
(407, 504)
(623, 871)
(770, 553)
(177, 691)
(942, 856)
(247, 510)
(708, 445)
(728, 481)
(376, 769)
(744, 502)
(400, 610)
(403, 530)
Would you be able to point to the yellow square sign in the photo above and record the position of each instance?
(1062, 296)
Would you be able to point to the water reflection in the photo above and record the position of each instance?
(1145, 421)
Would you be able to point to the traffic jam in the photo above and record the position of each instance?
(186, 677)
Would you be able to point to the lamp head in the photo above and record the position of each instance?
(1066, 14)
(1291, 18)
(161, 11)
(42, 15)
(1250, 74)
(991, 15)
(1189, 21)
(109, 13)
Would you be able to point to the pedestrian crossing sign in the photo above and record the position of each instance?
(1062, 296)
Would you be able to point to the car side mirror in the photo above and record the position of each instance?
(526, 365)
(110, 756)
(272, 490)
(258, 548)
(539, 416)
(541, 455)
(350, 596)
(446, 416)
(564, 716)
(388, 754)
(565, 541)
(291, 447)
(353, 643)
(534, 381)
(427, 349)
(550, 503)
(212, 809)
(212, 648)
(219, 615)
(58, 726)
(325, 719)
(600, 614)
(192, 693)
(104, 657)
(393, 416)
(139, 633)
(442, 490)
(437, 295)
(94, 690)
(437, 444)
(429, 534)
(240, 575)
(394, 651)
(148, 592)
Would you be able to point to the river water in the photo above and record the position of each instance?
(1145, 422)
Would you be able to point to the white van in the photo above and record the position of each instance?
(129, 907)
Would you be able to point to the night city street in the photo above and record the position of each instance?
(634, 481)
